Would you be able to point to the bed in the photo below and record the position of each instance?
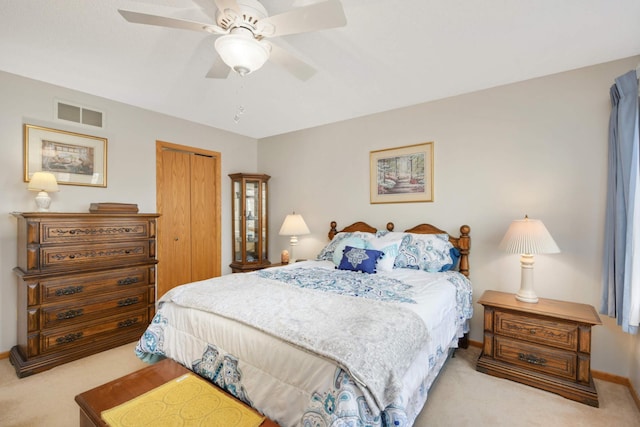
(354, 337)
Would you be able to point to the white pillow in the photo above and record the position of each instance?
(390, 247)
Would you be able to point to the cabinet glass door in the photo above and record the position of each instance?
(237, 221)
(252, 199)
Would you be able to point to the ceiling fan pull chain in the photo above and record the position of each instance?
(240, 110)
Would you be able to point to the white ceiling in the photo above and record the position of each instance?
(391, 54)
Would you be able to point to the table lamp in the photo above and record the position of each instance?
(293, 226)
(43, 182)
(528, 237)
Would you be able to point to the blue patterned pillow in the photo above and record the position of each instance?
(359, 259)
(428, 252)
(327, 253)
(355, 242)
(455, 257)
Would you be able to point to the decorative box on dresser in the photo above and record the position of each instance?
(86, 283)
(545, 345)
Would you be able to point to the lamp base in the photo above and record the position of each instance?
(526, 293)
(530, 298)
(43, 201)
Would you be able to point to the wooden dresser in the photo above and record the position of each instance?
(545, 345)
(86, 283)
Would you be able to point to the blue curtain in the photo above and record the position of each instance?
(621, 269)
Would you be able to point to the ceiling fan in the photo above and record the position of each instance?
(243, 26)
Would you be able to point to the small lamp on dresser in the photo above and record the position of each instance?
(43, 182)
(293, 226)
(528, 237)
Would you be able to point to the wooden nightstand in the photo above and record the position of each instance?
(545, 345)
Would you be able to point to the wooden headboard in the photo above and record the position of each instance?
(462, 243)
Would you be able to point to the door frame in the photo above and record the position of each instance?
(216, 192)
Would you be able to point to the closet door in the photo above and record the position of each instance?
(188, 194)
(203, 248)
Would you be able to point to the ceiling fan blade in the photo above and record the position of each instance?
(219, 70)
(318, 16)
(163, 21)
(228, 4)
(291, 63)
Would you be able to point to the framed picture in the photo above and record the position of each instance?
(402, 175)
(74, 159)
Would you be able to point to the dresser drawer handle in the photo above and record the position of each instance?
(70, 290)
(127, 323)
(72, 256)
(530, 358)
(128, 301)
(128, 281)
(532, 331)
(70, 314)
(69, 338)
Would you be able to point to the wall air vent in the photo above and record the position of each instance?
(78, 114)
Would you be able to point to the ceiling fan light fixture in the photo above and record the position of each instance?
(241, 52)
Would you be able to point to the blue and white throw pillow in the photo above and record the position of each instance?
(390, 249)
(333, 250)
(428, 252)
(359, 259)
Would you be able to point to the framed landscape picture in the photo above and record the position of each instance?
(402, 175)
(73, 158)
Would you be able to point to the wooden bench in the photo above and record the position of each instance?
(121, 390)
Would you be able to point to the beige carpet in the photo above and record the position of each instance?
(461, 397)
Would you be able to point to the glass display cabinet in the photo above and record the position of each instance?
(249, 216)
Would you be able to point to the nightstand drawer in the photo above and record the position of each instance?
(550, 361)
(549, 332)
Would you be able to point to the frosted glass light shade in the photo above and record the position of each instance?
(527, 237)
(242, 52)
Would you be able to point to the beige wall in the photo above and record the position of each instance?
(538, 147)
(131, 133)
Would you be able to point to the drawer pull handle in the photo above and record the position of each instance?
(530, 358)
(128, 281)
(69, 338)
(127, 323)
(128, 301)
(70, 290)
(70, 314)
(72, 256)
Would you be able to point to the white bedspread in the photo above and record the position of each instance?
(275, 345)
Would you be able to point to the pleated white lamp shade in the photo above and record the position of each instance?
(528, 236)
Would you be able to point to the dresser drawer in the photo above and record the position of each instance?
(558, 363)
(93, 230)
(86, 334)
(544, 331)
(71, 287)
(87, 310)
(94, 255)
